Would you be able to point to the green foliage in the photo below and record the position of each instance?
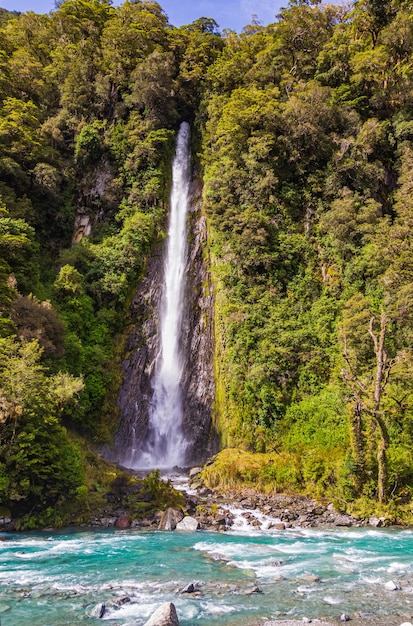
(88, 148)
(303, 138)
(41, 463)
(233, 468)
(162, 493)
(307, 170)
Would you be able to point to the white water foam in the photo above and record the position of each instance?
(241, 523)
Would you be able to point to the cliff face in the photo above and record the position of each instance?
(198, 388)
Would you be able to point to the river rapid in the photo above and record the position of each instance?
(248, 577)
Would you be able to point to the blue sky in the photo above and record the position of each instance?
(232, 14)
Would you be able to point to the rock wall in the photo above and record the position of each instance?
(142, 347)
(198, 382)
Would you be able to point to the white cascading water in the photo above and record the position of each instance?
(166, 443)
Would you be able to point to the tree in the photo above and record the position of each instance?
(368, 380)
(38, 320)
(41, 462)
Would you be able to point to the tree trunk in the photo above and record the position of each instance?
(382, 373)
(382, 477)
(357, 445)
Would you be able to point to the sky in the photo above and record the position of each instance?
(232, 14)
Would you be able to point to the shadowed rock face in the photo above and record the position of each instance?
(198, 389)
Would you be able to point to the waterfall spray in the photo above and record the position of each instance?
(165, 444)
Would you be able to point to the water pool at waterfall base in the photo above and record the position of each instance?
(57, 578)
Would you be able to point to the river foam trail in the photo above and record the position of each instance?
(56, 579)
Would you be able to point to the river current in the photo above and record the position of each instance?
(243, 578)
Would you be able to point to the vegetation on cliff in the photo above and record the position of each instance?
(308, 170)
(304, 136)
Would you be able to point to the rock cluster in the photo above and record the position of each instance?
(208, 510)
(278, 512)
(165, 615)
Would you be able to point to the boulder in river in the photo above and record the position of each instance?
(98, 610)
(190, 588)
(170, 519)
(188, 523)
(164, 616)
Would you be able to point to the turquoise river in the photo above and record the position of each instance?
(243, 578)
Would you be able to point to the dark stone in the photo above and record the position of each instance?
(98, 611)
(169, 519)
(123, 521)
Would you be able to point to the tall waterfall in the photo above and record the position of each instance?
(165, 444)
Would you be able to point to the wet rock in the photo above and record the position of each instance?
(344, 617)
(120, 601)
(190, 588)
(189, 524)
(164, 616)
(377, 522)
(310, 578)
(98, 611)
(248, 503)
(194, 472)
(170, 518)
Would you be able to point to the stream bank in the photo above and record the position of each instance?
(239, 510)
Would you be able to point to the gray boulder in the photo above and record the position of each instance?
(164, 616)
(108, 521)
(377, 522)
(188, 523)
(194, 472)
(98, 611)
(170, 519)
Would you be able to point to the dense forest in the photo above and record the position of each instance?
(303, 141)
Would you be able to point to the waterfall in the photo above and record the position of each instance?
(167, 392)
(165, 443)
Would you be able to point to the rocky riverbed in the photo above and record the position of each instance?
(239, 510)
(243, 509)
